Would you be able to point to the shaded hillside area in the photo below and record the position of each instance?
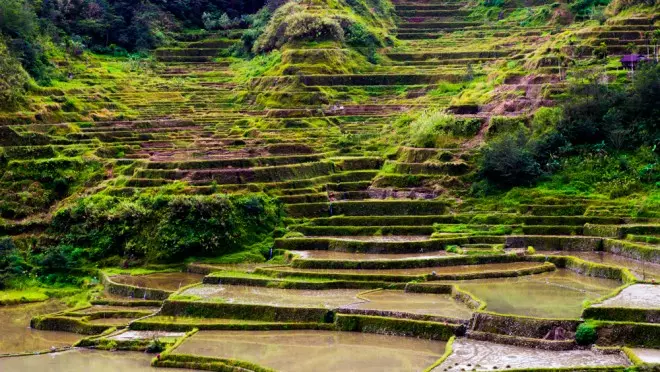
(151, 133)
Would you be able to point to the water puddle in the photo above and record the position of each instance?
(145, 335)
(347, 256)
(557, 294)
(644, 270)
(298, 351)
(473, 355)
(164, 281)
(16, 336)
(643, 296)
(83, 360)
(651, 356)
(460, 269)
(330, 298)
(414, 303)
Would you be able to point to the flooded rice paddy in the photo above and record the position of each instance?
(145, 335)
(164, 281)
(557, 294)
(651, 356)
(644, 296)
(460, 269)
(83, 360)
(298, 351)
(330, 298)
(16, 336)
(414, 303)
(473, 355)
(643, 270)
(387, 300)
(348, 256)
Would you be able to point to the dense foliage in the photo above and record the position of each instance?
(167, 228)
(598, 126)
(147, 229)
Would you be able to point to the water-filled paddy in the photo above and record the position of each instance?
(472, 355)
(651, 356)
(415, 303)
(381, 238)
(557, 294)
(103, 308)
(334, 255)
(645, 296)
(145, 335)
(294, 351)
(644, 270)
(16, 336)
(459, 269)
(164, 281)
(331, 298)
(82, 360)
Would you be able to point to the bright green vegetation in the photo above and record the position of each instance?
(359, 180)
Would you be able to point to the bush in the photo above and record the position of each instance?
(585, 334)
(430, 125)
(292, 23)
(507, 162)
(13, 81)
(12, 263)
(166, 228)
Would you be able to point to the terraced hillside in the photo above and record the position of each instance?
(281, 212)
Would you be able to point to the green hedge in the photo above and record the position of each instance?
(369, 208)
(406, 278)
(555, 243)
(324, 244)
(66, 324)
(623, 314)
(218, 278)
(245, 311)
(628, 333)
(521, 326)
(147, 325)
(399, 327)
(185, 361)
(405, 264)
(632, 250)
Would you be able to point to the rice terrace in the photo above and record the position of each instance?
(329, 185)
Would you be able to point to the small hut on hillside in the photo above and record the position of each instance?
(632, 61)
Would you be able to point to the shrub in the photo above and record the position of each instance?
(291, 23)
(531, 250)
(155, 346)
(165, 227)
(507, 162)
(13, 81)
(430, 125)
(585, 334)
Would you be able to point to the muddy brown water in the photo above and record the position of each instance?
(557, 294)
(642, 296)
(297, 351)
(643, 270)
(83, 360)
(165, 281)
(460, 269)
(330, 298)
(414, 303)
(16, 336)
(473, 355)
